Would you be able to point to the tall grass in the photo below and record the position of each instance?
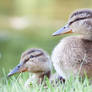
(16, 84)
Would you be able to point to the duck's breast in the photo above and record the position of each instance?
(70, 53)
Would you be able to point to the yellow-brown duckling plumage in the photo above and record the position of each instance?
(36, 61)
(73, 54)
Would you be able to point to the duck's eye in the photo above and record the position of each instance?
(31, 56)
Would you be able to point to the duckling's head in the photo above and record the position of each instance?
(33, 60)
(80, 22)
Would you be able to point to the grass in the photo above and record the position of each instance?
(16, 84)
(12, 44)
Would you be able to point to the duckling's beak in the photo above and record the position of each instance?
(63, 30)
(15, 70)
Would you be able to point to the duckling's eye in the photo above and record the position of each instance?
(31, 56)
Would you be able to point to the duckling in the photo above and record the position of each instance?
(73, 54)
(36, 61)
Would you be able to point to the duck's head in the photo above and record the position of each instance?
(33, 60)
(80, 22)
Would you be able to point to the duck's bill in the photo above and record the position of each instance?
(63, 30)
(15, 70)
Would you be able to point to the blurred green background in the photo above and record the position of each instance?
(29, 23)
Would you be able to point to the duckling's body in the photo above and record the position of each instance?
(36, 61)
(73, 55)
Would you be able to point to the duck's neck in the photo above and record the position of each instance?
(42, 75)
(87, 37)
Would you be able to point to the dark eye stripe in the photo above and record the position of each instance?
(32, 51)
(33, 56)
(79, 19)
(38, 55)
(26, 60)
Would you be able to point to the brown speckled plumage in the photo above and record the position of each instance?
(36, 61)
(73, 54)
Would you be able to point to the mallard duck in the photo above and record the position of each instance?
(73, 54)
(36, 61)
